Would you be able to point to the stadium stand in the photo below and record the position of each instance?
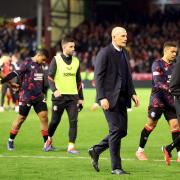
(145, 38)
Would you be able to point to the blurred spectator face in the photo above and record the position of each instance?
(5, 59)
(170, 53)
(119, 37)
(68, 48)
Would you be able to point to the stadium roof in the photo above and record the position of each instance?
(14, 8)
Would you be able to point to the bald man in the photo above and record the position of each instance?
(115, 90)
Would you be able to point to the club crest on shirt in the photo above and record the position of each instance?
(69, 68)
(55, 108)
(153, 114)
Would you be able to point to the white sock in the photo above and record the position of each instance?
(11, 139)
(49, 138)
(140, 149)
(71, 146)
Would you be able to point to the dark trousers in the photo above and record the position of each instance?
(57, 110)
(117, 123)
(177, 105)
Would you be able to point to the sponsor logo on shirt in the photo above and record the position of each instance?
(69, 74)
(38, 76)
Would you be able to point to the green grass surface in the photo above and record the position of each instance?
(28, 161)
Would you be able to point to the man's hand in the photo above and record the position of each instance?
(104, 104)
(136, 100)
(57, 93)
(80, 105)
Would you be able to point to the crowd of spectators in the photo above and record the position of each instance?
(146, 36)
(16, 40)
(145, 39)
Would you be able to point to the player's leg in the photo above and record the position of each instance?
(43, 116)
(23, 113)
(57, 111)
(72, 112)
(168, 148)
(171, 117)
(153, 115)
(42, 112)
(175, 130)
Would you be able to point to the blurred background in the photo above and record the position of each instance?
(28, 25)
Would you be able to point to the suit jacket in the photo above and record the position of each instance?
(175, 79)
(108, 76)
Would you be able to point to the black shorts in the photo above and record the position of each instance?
(38, 106)
(155, 113)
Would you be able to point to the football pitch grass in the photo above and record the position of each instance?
(28, 161)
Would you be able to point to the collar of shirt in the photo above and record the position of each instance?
(67, 58)
(117, 48)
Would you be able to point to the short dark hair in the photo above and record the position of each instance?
(170, 44)
(66, 40)
(43, 52)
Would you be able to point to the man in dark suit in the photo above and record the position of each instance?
(115, 90)
(175, 86)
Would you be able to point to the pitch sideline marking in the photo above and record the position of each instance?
(64, 157)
